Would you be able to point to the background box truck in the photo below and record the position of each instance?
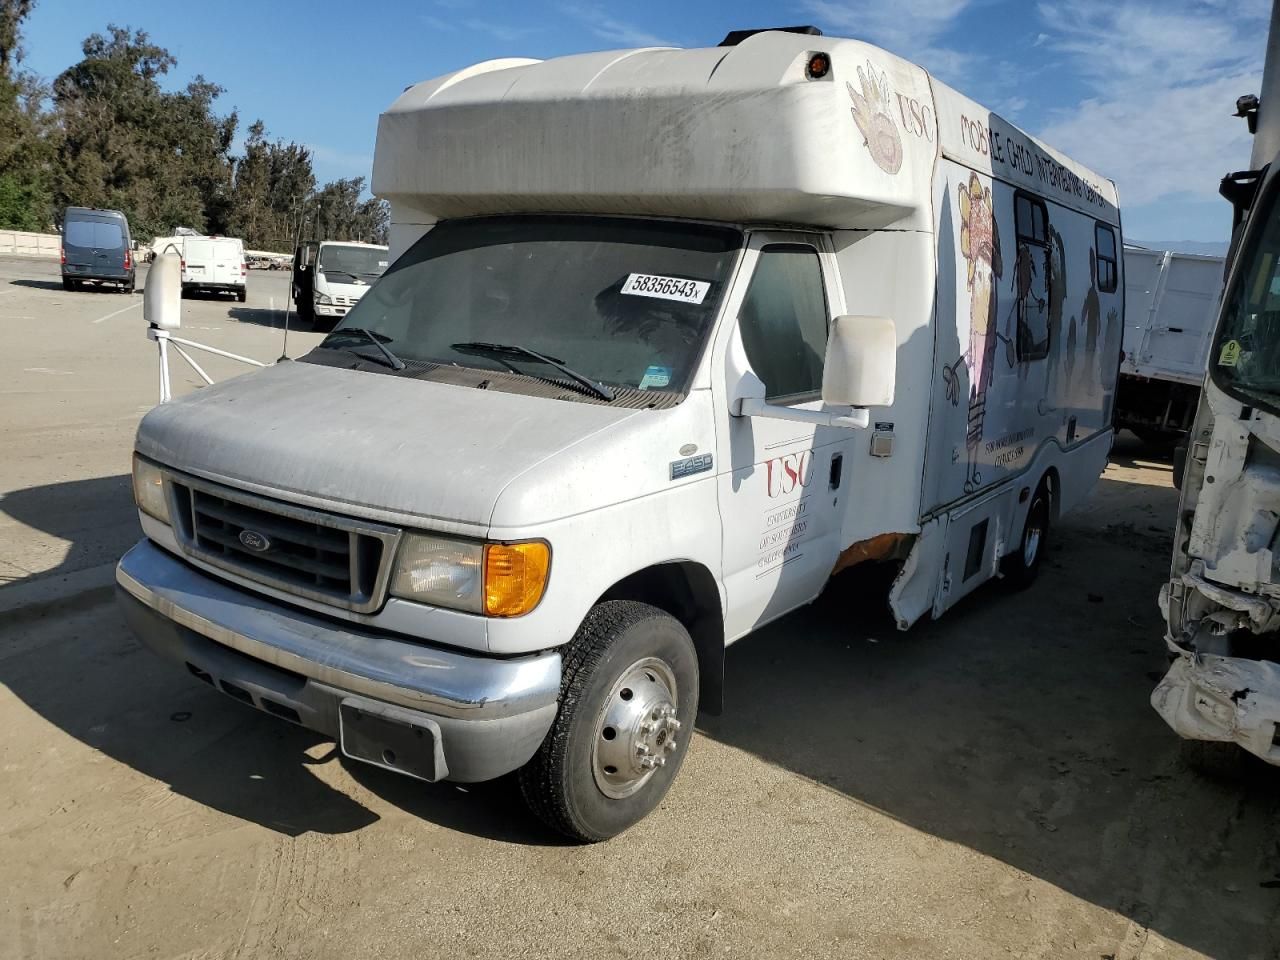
(1171, 303)
(330, 277)
(669, 337)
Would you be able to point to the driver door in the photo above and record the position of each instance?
(781, 497)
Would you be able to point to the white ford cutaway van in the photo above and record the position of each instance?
(668, 337)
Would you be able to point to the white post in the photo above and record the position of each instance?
(163, 343)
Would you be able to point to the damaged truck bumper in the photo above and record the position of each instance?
(406, 706)
(1206, 697)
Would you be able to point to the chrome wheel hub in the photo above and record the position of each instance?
(637, 730)
(1031, 543)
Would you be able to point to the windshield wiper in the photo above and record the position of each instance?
(500, 350)
(394, 362)
(345, 273)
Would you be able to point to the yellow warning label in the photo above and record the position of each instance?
(1230, 354)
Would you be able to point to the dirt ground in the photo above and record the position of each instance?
(993, 784)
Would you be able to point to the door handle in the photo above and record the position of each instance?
(837, 467)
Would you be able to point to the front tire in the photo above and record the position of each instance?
(628, 701)
(1021, 567)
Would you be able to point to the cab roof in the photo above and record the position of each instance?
(738, 133)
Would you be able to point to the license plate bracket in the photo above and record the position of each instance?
(391, 737)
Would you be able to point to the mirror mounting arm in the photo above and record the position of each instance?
(858, 418)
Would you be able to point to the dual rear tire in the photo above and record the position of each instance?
(628, 702)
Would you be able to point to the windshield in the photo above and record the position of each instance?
(621, 302)
(364, 263)
(1246, 358)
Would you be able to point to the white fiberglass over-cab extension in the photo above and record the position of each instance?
(626, 393)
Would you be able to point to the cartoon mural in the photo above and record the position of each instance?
(873, 113)
(1057, 300)
(980, 247)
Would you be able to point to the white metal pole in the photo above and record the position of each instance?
(215, 350)
(163, 344)
(194, 366)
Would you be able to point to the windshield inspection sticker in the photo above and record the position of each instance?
(655, 376)
(1230, 354)
(665, 288)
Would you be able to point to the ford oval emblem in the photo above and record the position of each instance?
(255, 541)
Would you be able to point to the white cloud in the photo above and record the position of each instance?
(612, 30)
(1163, 79)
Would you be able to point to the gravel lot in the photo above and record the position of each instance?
(994, 784)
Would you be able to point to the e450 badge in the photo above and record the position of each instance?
(690, 465)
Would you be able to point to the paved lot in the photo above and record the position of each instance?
(76, 375)
(991, 785)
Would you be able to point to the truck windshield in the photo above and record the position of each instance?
(621, 302)
(1246, 358)
(364, 263)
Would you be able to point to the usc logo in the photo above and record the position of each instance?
(785, 474)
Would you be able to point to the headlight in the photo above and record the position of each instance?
(324, 299)
(497, 579)
(148, 489)
(436, 570)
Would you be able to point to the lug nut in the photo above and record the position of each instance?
(646, 728)
(642, 749)
(670, 745)
(648, 763)
(673, 725)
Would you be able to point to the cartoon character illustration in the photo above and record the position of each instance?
(1091, 314)
(1110, 360)
(1024, 274)
(873, 113)
(980, 247)
(1057, 300)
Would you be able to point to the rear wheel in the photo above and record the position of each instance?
(628, 701)
(242, 295)
(68, 283)
(1021, 567)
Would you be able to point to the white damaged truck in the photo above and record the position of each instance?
(1222, 600)
(668, 337)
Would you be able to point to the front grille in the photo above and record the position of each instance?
(313, 554)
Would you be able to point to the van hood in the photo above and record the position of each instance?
(380, 447)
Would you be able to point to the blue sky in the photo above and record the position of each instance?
(1140, 90)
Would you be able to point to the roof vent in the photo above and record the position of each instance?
(735, 37)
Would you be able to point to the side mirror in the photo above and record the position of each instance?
(861, 364)
(162, 297)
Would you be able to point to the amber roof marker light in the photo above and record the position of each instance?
(819, 66)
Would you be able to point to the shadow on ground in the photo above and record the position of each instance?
(263, 317)
(1019, 726)
(79, 667)
(95, 517)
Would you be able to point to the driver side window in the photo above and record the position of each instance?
(783, 323)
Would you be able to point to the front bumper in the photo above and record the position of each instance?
(490, 714)
(331, 310)
(1206, 697)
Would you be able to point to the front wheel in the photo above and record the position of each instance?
(628, 701)
(1021, 567)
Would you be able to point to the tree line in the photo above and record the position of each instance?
(105, 133)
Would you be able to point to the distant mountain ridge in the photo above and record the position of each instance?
(1205, 248)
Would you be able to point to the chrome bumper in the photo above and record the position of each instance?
(492, 713)
(1223, 698)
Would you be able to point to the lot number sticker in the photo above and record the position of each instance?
(665, 288)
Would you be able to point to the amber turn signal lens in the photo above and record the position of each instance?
(515, 574)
